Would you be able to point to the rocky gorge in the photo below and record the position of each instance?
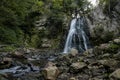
(98, 63)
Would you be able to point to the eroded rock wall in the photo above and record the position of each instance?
(104, 22)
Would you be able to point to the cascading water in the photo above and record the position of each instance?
(77, 37)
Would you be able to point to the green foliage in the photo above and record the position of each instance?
(8, 35)
(7, 48)
(35, 41)
(17, 19)
(13, 15)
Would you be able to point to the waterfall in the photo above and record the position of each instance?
(77, 37)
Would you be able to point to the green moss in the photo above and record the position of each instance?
(113, 48)
(7, 48)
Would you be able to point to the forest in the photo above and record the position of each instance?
(59, 39)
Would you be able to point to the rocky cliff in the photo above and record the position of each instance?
(104, 21)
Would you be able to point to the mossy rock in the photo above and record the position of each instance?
(114, 47)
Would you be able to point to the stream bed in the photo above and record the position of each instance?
(28, 66)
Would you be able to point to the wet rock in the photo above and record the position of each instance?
(116, 74)
(73, 52)
(50, 71)
(2, 78)
(5, 63)
(18, 54)
(31, 76)
(75, 67)
(27, 51)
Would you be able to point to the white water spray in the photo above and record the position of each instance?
(77, 37)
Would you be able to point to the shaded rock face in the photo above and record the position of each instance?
(103, 23)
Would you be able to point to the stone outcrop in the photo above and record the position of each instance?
(104, 22)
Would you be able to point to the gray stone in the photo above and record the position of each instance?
(88, 52)
(109, 62)
(50, 71)
(73, 52)
(117, 41)
(78, 65)
(116, 74)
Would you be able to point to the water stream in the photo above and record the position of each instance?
(77, 37)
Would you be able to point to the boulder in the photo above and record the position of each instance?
(75, 67)
(117, 41)
(115, 74)
(88, 52)
(50, 72)
(109, 62)
(5, 62)
(73, 52)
